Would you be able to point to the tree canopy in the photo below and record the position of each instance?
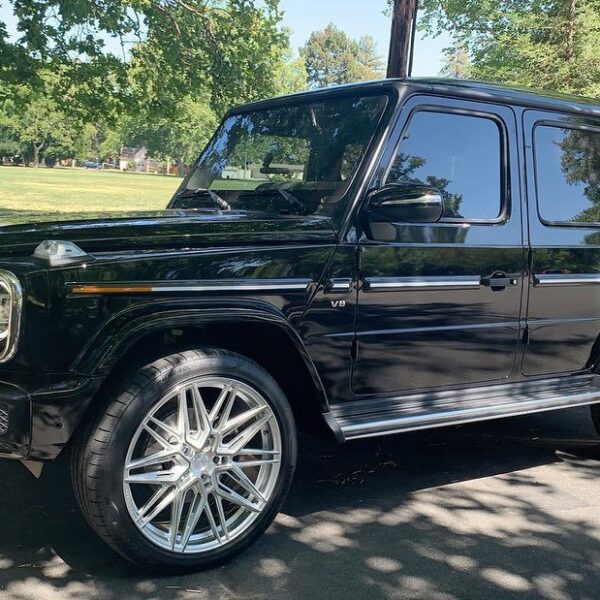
(544, 44)
(148, 72)
(332, 57)
(111, 53)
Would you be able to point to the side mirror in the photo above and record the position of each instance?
(407, 203)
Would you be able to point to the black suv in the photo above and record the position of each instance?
(363, 260)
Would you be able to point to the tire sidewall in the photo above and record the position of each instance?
(188, 366)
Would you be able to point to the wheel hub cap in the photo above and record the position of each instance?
(202, 465)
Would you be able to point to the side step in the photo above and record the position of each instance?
(369, 418)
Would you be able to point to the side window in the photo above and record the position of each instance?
(567, 170)
(460, 155)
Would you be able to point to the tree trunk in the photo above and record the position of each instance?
(36, 155)
(570, 46)
(180, 167)
(402, 39)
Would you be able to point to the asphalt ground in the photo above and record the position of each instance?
(503, 509)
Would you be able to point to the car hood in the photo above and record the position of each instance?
(22, 231)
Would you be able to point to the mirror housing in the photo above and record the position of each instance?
(406, 202)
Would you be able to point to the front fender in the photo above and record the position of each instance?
(126, 328)
(119, 335)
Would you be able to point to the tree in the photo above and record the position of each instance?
(224, 50)
(548, 44)
(179, 138)
(331, 57)
(33, 125)
(292, 75)
(456, 62)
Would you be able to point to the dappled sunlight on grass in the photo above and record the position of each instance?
(76, 190)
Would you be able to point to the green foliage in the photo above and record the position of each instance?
(33, 123)
(127, 72)
(331, 57)
(456, 62)
(292, 75)
(179, 137)
(546, 44)
(225, 50)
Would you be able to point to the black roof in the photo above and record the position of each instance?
(479, 90)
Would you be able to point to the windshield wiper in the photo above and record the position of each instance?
(222, 204)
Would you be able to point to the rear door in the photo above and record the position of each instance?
(563, 190)
(439, 304)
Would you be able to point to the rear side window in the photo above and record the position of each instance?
(567, 169)
(460, 155)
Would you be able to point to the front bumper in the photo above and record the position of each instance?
(15, 421)
(40, 412)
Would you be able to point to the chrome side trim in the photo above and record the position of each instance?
(567, 280)
(339, 284)
(225, 285)
(386, 420)
(375, 284)
(12, 285)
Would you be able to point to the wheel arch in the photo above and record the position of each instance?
(265, 337)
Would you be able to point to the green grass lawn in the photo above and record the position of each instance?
(76, 190)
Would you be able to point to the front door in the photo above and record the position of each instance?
(439, 304)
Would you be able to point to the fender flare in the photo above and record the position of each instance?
(119, 334)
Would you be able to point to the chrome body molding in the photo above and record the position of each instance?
(207, 285)
(385, 416)
(567, 279)
(381, 284)
(339, 285)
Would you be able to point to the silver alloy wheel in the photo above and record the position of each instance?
(202, 465)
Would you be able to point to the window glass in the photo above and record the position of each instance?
(296, 158)
(567, 163)
(457, 154)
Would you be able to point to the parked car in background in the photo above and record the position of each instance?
(12, 161)
(357, 261)
(90, 164)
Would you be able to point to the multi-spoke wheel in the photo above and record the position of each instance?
(189, 463)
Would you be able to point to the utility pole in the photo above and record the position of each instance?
(402, 41)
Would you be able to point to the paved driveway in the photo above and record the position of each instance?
(494, 510)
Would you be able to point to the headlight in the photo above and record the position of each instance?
(11, 302)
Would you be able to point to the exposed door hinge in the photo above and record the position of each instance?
(354, 349)
(526, 336)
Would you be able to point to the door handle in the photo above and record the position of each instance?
(498, 281)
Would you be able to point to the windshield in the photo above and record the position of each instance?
(294, 159)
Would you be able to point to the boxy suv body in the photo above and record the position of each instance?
(363, 260)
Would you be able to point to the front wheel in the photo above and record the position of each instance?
(189, 462)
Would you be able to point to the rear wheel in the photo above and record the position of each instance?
(190, 461)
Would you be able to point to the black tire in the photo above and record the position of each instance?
(595, 412)
(99, 453)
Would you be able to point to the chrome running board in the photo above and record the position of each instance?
(369, 418)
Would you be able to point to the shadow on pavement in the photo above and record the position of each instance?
(506, 508)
